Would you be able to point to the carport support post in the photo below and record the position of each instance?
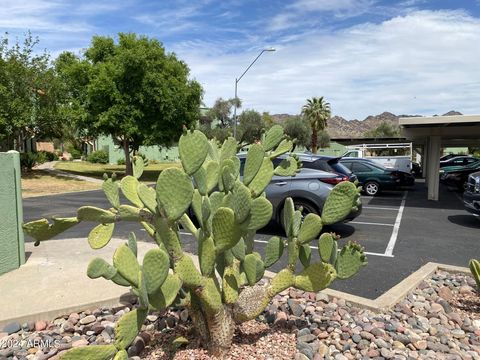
(12, 250)
(433, 166)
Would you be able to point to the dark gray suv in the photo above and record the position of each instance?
(308, 189)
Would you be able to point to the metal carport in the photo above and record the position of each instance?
(433, 133)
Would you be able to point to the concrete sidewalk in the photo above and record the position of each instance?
(54, 281)
(49, 166)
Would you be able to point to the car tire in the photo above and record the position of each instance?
(371, 188)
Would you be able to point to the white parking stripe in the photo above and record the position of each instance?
(396, 227)
(368, 223)
(313, 247)
(379, 208)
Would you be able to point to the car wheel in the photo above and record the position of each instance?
(371, 188)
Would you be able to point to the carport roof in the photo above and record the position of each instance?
(431, 121)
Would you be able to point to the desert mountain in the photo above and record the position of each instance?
(339, 127)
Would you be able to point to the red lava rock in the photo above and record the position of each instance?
(40, 325)
(445, 293)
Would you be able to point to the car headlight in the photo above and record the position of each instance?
(442, 172)
(477, 185)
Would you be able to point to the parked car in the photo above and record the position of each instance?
(308, 189)
(449, 156)
(327, 163)
(457, 176)
(375, 178)
(471, 196)
(458, 161)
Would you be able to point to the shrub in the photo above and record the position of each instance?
(28, 160)
(49, 156)
(121, 162)
(98, 157)
(229, 210)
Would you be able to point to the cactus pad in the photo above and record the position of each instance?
(188, 273)
(242, 201)
(305, 254)
(100, 268)
(287, 215)
(315, 277)
(253, 162)
(110, 188)
(273, 251)
(100, 235)
(121, 355)
(287, 167)
(224, 229)
(239, 250)
(138, 165)
(229, 286)
(126, 263)
(260, 213)
(273, 137)
(174, 192)
(155, 269)
(339, 203)
(132, 243)
(262, 178)
(206, 256)
(129, 185)
(42, 230)
(229, 149)
(211, 169)
(193, 149)
(97, 352)
(311, 227)
(283, 280)
(129, 213)
(128, 327)
(350, 259)
(200, 178)
(327, 247)
(253, 267)
(148, 196)
(92, 213)
(166, 294)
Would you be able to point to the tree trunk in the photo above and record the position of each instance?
(314, 139)
(128, 163)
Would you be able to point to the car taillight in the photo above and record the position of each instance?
(394, 174)
(335, 180)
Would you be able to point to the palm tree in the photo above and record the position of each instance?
(317, 111)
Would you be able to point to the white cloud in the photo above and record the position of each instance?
(423, 62)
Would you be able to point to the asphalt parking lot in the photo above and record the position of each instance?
(400, 231)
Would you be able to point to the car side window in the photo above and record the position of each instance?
(470, 160)
(357, 167)
(347, 164)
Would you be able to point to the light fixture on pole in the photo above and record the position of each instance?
(236, 86)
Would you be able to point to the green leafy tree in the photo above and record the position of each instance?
(268, 119)
(251, 126)
(317, 111)
(384, 130)
(29, 93)
(224, 289)
(297, 127)
(323, 139)
(134, 91)
(221, 112)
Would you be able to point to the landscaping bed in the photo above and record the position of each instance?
(440, 319)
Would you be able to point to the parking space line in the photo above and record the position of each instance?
(380, 208)
(396, 226)
(316, 248)
(368, 223)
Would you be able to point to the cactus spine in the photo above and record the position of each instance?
(224, 289)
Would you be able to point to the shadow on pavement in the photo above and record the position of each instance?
(466, 220)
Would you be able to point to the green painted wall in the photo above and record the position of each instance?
(151, 152)
(12, 251)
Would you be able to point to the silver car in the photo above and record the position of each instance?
(308, 189)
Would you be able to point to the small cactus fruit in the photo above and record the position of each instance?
(339, 203)
(475, 270)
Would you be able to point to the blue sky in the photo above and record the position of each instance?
(364, 56)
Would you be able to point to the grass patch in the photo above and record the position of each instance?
(85, 168)
(38, 183)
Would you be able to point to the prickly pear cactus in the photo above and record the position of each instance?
(229, 208)
(475, 270)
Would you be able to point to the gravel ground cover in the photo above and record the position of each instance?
(440, 319)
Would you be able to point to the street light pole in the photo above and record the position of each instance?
(236, 87)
